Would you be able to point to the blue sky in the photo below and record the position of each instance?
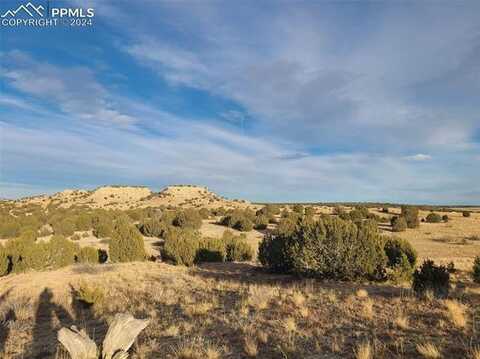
(267, 101)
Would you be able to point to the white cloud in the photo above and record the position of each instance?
(230, 163)
(298, 73)
(419, 157)
(74, 90)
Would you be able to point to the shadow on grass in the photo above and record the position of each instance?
(248, 273)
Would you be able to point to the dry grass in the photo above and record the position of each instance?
(259, 296)
(475, 353)
(289, 324)
(198, 309)
(456, 313)
(364, 351)
(428, 351)
(367, 311)
(298, 298)
(452, 234)
(172, 331)
(262, 336)
(401, 321)
(207, 313)
(361, 293)
(197, 348)
(251, 347)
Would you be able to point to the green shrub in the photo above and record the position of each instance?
(466, 213)
(90, 294)
(240, 220)
(188, 218)
(445, 218)
(219, 212)
(309, 211)
(261, 222)
(431, 277)
(9, 227)
(476, 270)
(102, 225)
(433, 218)
(238, 250)
(396, 248)
(298, 208)
(286, 225)
(89, 255)
(181, 246)
(136, 214)
(402, 258)
(44, 231)
(27, 254)
(363, 211)
(29, 234)
(103, 230)
(126, 244)
(273, 253)
(20, 253)
(83, 222)
(337, 210)
(4, 262)
(410, 214)
(64, 227)
(328, 248)
(354, 215)
(269, 210)
(243, 225)
(204, 213)
(401, 271)
(58, 252)
(399, 224)
(152, 227)
(211, 250)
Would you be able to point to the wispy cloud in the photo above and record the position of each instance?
(74, 90)
(269, 101)
(296, 77)
(419, 157)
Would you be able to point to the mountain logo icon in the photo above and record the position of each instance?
(29, 8)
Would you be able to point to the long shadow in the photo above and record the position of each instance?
(246, 273)
(85, 317)
(42, 345)
(5, 321)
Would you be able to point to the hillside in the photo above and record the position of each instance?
(127, 197)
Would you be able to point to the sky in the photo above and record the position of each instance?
(269, 101)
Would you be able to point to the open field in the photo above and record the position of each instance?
(235, 311)
(239, 309)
